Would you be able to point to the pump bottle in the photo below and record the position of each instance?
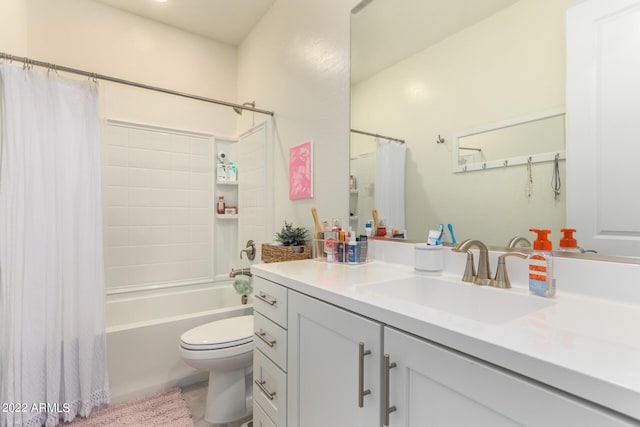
(568, 243)
(541, 281)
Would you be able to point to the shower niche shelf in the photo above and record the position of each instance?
(226, 225)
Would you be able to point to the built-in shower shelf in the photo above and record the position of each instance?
(227, 216)
(226, 182)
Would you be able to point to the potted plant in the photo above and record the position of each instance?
(291, 245)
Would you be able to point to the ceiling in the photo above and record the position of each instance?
(227, 21)
(383, 32)
(387, 31)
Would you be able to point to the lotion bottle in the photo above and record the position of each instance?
(541, 281)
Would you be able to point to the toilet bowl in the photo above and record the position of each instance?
(224, 348)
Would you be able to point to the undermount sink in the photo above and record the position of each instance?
(479, 303)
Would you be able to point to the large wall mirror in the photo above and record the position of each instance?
(425, 71)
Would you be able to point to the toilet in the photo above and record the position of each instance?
(224, 348)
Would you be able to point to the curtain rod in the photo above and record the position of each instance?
(32, 62)
(401, 141)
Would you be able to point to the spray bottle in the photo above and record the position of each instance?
(541, 281)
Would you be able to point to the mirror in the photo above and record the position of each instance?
(526, 140)
(425, 71)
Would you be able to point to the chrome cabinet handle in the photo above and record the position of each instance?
(263, 389)
(387, 409)
(361, 391)
(263, 336)
(265, 298)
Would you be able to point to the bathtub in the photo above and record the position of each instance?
(143, 333)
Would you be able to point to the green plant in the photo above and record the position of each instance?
(290, 236)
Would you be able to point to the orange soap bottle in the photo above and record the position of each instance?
(568, 243)
(541, 281)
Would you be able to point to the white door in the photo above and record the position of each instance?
(255, 192)
(603, 128)
(324, 361)
(433, 386)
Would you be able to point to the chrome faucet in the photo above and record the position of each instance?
(518, 239)
(483, 275)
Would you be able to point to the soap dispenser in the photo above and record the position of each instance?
(541, 281)
(568, 243)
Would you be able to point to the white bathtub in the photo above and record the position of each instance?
(143, 332)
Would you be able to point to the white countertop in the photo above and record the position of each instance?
(586, 346)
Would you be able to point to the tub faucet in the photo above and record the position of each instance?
(484, 271)
(517, 239)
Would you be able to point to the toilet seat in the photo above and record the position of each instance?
(219, 335)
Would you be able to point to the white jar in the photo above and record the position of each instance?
(428, 259)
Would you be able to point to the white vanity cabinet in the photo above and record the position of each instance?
(269, 355)
(344, 369)
(432, 385)
(334, 366)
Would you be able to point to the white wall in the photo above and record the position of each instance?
(296, 63)
(13, 30)
(91, 36)
(508, 65)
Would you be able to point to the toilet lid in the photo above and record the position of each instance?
(219, 334)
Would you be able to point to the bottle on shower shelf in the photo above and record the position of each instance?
(221, 205)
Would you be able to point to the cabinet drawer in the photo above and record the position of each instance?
(270, 300)
(260, 419)
(271, 339)
(270, 388)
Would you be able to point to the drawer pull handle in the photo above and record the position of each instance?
(261, 384)
(265, 298)
(263, 336)
(387, 409)
(361, 391)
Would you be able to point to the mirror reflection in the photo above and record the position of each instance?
(427, 71)
(527, 140)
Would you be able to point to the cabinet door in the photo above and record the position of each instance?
(603, 130)
(433, 386)
(324, 365)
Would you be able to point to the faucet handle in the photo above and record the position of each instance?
(502, 278)
(470, 269)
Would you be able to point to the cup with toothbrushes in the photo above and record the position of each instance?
(428, 256)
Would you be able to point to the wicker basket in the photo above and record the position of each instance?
(277, 253)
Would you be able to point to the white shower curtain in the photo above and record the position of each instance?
(52, 333)
(389, 189)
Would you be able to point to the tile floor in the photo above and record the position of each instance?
(195, 395)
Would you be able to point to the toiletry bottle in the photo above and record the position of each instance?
(329, 243)
(541, 281)
(221, 172)
(368, 229)
(353, 257)
(568, 243)
(362, 251)
(221, 205)
(342, 246)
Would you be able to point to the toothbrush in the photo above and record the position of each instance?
(441, 234)
(453, 237)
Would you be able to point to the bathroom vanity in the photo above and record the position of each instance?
(377, 344)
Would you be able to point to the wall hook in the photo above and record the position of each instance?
(440, 140)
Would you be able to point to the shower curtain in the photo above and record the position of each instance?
(52, 333)
(389, 189)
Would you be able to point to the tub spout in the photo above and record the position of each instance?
(240, 271)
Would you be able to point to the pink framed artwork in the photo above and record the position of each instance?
(301, 171)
